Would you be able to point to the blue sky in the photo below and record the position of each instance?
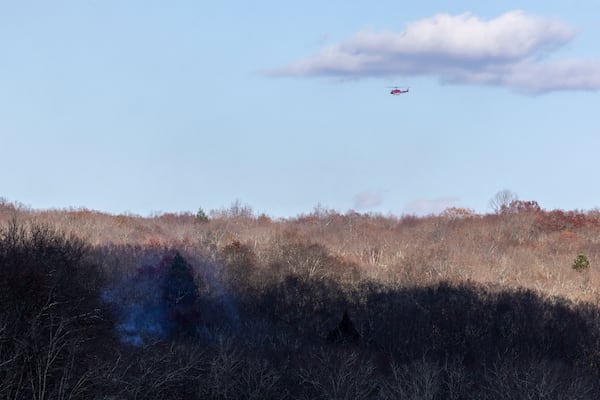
(155, 106)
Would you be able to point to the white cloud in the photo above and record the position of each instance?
(365, 200)
(423, 207)
(506, 51)
(531, 77)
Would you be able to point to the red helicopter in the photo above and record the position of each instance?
(396, 91)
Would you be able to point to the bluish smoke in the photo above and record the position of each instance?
(141, 322)
(140, 313)
(162, 301)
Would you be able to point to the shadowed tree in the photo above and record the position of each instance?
(180, 296)
(345, 332)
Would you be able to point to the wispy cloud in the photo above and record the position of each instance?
(423, 207)
(510, 50)
(366, 200)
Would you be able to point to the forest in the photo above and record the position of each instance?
(232, 304)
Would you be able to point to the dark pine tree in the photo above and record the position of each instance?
(181, 297)
(345, 332)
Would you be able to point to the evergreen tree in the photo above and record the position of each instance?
(180, 296)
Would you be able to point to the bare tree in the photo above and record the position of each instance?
(341, 375)
(502, 200)
(419, 380)
(534, 379)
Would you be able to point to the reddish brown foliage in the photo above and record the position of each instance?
(451, 306)
(559, 220)
(522, 246)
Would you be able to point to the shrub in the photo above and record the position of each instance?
(581, 263)
(201, 216)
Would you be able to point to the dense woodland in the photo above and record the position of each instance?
(235, 305)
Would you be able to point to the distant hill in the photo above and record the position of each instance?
(229, 304)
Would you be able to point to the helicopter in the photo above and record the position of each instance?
(396, 91)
